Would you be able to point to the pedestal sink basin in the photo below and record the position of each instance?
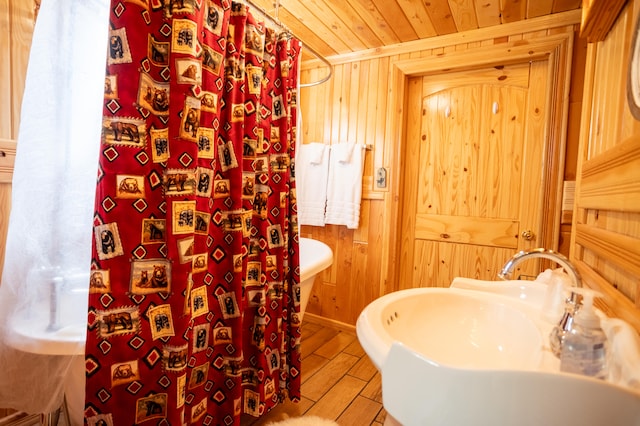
(416, 392)
(452, 327)
(478, 354)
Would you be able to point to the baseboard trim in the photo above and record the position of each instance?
(317, 319)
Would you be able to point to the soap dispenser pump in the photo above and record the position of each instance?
(584, 350)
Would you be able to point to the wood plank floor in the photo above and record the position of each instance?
(339, 382)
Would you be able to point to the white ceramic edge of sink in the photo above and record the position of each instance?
(377, 346)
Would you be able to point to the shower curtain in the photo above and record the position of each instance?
(48, 249)
(194, 284)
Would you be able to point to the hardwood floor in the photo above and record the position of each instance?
(339, 382)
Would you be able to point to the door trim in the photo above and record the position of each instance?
(557, 50)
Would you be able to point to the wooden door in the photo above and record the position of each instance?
(474, 164)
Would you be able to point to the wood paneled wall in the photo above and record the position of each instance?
(606, 232)
(353, 106)
(17, 19)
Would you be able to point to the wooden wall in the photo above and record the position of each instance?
(606, 232)
(17, 19)
(353, 106)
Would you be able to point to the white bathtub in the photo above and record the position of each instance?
(35, 337)
(315, 256)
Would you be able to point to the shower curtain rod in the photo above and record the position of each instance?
(277, 22)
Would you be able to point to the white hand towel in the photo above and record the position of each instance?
(315, 152)
(344, 151)
(312, 171)
(344, 188)
(624, 352)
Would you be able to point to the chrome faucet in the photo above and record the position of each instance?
(572, 303)
(507, 269)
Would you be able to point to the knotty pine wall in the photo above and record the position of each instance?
(17, 19)
(353, 106)
(606, 233)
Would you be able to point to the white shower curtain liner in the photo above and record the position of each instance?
(48, 250)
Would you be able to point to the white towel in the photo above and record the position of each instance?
(312, 171)
(344, 189)
(343, 151)
(315, 153)
(624, 352)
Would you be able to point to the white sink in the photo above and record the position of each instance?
(530, 292)
(478, 354)
(416, 392)
(452, 327)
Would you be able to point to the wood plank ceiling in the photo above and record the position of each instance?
(334, 27)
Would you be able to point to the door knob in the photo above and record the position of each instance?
(527, 235)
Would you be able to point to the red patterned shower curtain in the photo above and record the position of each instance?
(194, 288)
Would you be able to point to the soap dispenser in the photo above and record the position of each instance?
(584, 349)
